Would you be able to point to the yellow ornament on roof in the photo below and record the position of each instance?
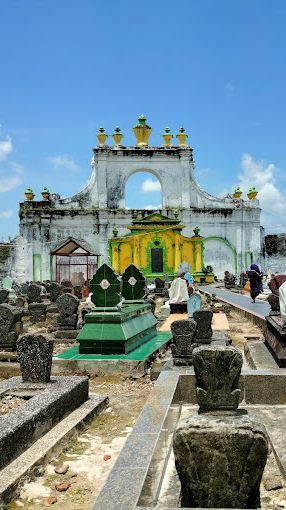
(182, 137)
(142, 132)
(117, 136)
(167, 137)
(101, 136)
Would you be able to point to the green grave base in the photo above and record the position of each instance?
(139, 354)
(114, 330)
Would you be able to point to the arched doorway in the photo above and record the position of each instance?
(143, 191)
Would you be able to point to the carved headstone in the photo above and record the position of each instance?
(67, 307)
(219, 454)
(194, 304)
(4, 296)
(38, 312)
(220, 461)
(34, 293)
(133, 284)
(203, 319)
(54, 290)
(105, 287)
(7, 283)
(10, 326)
(35, 353)
(183, 333)
(24, 288)
(20, 302)
(217, 370)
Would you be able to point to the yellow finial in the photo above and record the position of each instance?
(101, 136)
(117, 137)
(167, 137)
(142, 132)
(182, 137)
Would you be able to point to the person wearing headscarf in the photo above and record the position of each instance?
(255, 279)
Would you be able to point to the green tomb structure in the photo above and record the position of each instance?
(121, 320)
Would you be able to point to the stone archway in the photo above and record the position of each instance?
(143, 190)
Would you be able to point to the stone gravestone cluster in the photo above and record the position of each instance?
(220, 454)
(10, 326)
(37, 309)
(67, 317)
(188, 334)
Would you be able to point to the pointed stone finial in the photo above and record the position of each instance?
(182, 137)
(142, 132)
(101, 136)
(167, 137)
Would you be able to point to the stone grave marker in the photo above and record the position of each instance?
(34, 293)
(35, 353)
(24, 288)
(194, 304)
(7, 283)
(10, 326)
(217, 371)
(105, 287)
(67, 308)
(4, 296)
(203, 319)
(220, 453)
(54, 290)
(133, 284)
(183, 332)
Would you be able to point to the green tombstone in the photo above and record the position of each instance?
(113, 329)
(105, 287)
(133, 284)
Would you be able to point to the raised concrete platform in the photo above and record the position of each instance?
(27, 465)
(219, 321)
(45, 405)
(139, 473)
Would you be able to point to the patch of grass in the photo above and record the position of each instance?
(76, 448)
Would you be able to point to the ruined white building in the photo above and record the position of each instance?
(83, 224)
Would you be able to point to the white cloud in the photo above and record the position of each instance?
(9, 183)
(10, 171)
(263, 176)
(151, 207)
(6, 148)
(149, 185)
(6, 214)
(66, 162)
(229, 86)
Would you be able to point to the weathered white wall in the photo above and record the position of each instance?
(92, 213)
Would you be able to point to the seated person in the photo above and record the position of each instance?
(229, 280)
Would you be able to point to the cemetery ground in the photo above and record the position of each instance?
(91, 456)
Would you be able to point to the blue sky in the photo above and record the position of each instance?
(216, 67)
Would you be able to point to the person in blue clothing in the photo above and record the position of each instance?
(255, 279)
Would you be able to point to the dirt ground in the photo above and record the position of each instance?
(86, 456)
